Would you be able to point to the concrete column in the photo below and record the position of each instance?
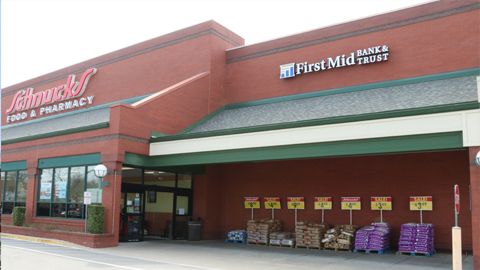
(32, 174)
(475, 193)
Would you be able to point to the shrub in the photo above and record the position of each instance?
(18, 215)
(95, 219)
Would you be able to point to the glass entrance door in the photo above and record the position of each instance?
(182, 216)
(155, 203)
(132, 217)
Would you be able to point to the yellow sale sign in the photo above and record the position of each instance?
(296, 203)
(323, 203)
(351, 203)
(252, 202)
(381, 203)
(272, 203)
(424, 203)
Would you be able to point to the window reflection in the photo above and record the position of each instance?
(77, 184)
(10, 186)
(22, 187)
(131, 175)
(60, 186)
(13, 190)
(185, 181)
(159, 178)
(61, 191)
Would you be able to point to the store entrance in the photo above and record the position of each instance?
(131, 216)
(155, 205)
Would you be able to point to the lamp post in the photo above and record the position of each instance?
(100, 171)
(477, 159)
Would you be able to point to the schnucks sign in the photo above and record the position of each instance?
(27, 105)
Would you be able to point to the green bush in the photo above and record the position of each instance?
(95, 219)
(18, 215)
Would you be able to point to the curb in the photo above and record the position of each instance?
(47, 241)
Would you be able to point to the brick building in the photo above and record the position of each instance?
(191, 122)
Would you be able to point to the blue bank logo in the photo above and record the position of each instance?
(287, 71)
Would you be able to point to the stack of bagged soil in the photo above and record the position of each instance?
(309, 235)
(258, 231)
(281, 238)
(300, 229)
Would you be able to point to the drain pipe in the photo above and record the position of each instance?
(113, 207)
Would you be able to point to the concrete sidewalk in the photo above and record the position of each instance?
(221, 255)
(213, 255)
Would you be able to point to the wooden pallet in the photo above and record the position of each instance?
(235, 241)
(367, 251)
(257, 243)
(306, 247)
(337, 249)
(285, 246)
(426, 254)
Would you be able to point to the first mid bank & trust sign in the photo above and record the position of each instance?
(370, 55)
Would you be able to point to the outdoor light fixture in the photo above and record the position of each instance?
(101, 171)
(477, 159)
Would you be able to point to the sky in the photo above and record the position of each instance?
(41, 36)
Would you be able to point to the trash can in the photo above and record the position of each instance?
(194, 230)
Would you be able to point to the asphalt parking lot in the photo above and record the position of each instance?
(206, 255)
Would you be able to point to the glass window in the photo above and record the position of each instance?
(46, 185)
(131, 175)
(134, 203)
(7, 207)
(185, 181)
(21, 187)
(75, 210)
(2, 175)
(20, 204)
(61, 191)
(159, 178)
(92, 180)
(60, 185)
(13, 190)
(10, 186)
(58, 210)
(182, 205)
(94, 185)
(43, 209)
(77, 184)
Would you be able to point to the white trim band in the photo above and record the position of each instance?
(468, 122)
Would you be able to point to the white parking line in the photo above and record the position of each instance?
(110, 264)
(74, 258)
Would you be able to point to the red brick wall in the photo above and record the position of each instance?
(144, 68)
(434, 46)
(399, 176)
(168, 114)
(89, 240)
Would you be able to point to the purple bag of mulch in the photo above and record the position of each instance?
(416, 238)
(373, 237)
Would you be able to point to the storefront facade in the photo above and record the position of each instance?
(383, 106)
